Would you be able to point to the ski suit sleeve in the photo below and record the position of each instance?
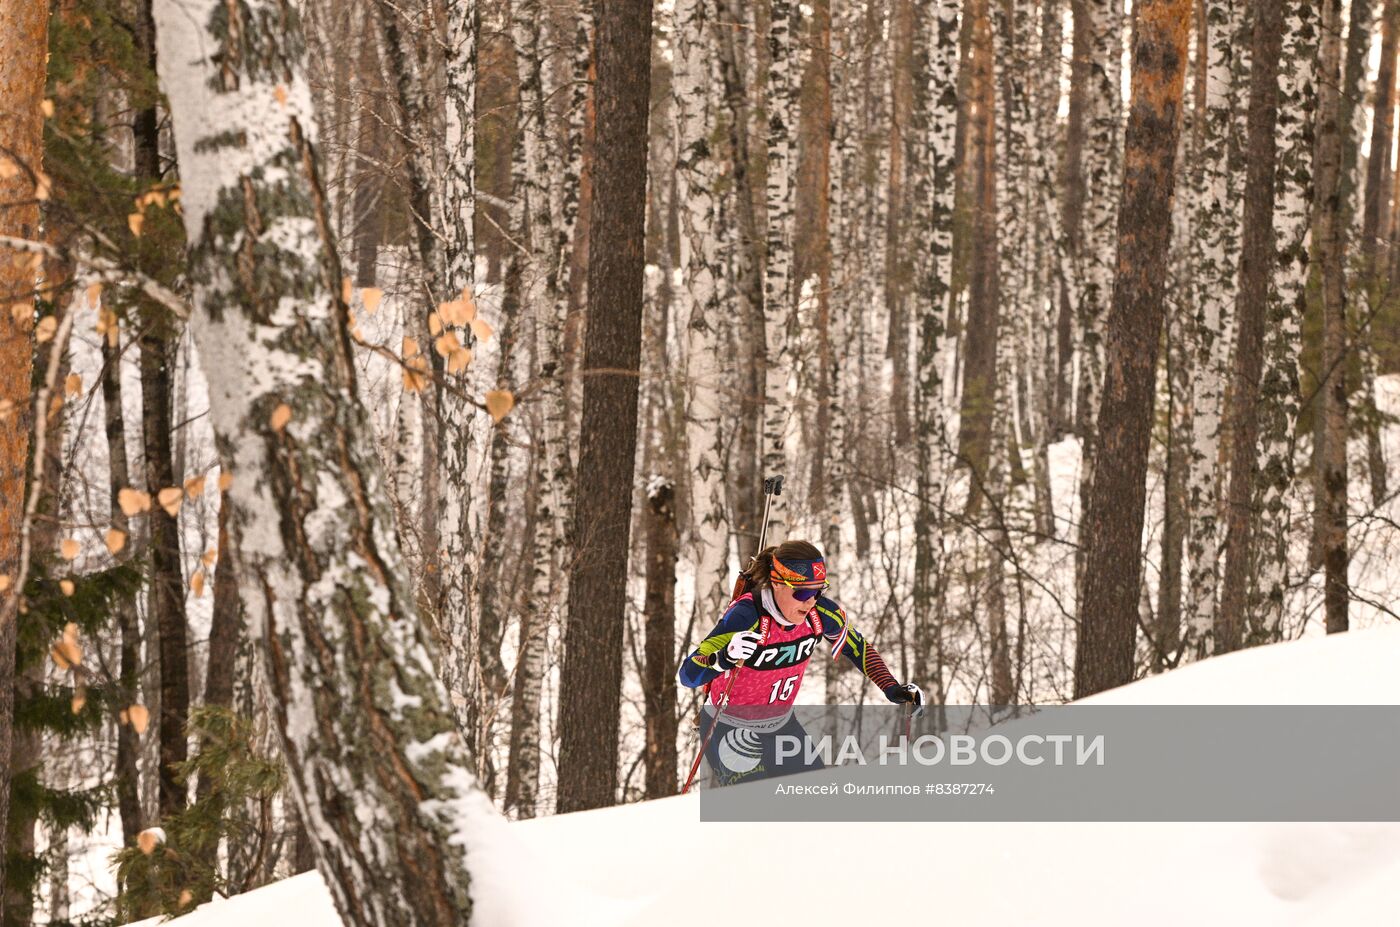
(709, 659)
(845, 639)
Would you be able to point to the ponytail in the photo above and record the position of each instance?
(756, 576)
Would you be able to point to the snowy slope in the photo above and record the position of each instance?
(653, 862)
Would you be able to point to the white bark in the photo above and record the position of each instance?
(1217, 239)
(378, 769)
(1279, 384)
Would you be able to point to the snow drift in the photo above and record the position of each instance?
(654, 862)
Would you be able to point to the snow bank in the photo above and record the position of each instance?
(654, 862)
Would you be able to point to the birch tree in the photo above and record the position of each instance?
(931, 439)
(1257, 261)
(1279, 382)
(1329, 223)
(777, 271)
(693, 82)
(1216, 243)
(379, 773)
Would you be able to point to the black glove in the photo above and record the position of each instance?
(907, 693)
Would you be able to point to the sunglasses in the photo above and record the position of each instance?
(808, 594)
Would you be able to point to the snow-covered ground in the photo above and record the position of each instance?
(654, 862)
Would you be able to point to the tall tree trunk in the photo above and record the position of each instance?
(23, 53)
(158, 342)
(658, 682)
(1278, 388)
(377, 767)
(119, 478)
(590, 682)
(777, 268)
(1333, 127)
(750, 281)
(979, 372)
(1215, 249)
(930, 427)
(1257, 261)
(1375, 205)
(1114, 518)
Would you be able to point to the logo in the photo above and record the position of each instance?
(819, 570)
(740, 750)
(792, 653)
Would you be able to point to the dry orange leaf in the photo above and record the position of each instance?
(45, 329)
(170, 498)
(139, 717)
(347, 290)
(414, 374)
(66, 654)
(4, 581)
(8, 168)
(46, 107)
(481, 329)
(434, 323)
(499, 402)
(133, 501)
(225, 480)
(67, 586)
(446, 344)
(280, 417)
(94, 293)
(371, 296)
(410, 347)
(280, 94)
(134, 221)
(194, 486)
(458, 360)
(42, 187)
(210, 557)
(197, 583)
(79, 699)
(69, 548)
(468, 306)
(73, 384)
(116, 540)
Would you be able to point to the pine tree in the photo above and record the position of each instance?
(1108, 604)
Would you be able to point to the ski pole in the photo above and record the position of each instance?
(772, 486)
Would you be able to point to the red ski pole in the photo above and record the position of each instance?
(772, 486)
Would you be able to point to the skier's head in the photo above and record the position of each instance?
(796, 573)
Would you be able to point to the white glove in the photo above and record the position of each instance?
(741, 647)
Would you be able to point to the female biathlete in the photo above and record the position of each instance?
(773, 630)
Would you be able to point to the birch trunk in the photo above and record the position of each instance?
(377, 767)
(777, 271)
(1279, 384)
(1257, 261)
(693, 82)
(1216, 246)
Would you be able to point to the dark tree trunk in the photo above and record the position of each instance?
(167, 590)
(980, 373)
(658, 676)
(1108, 606)
(591, 680)
(128, 742)
(1256, 272)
